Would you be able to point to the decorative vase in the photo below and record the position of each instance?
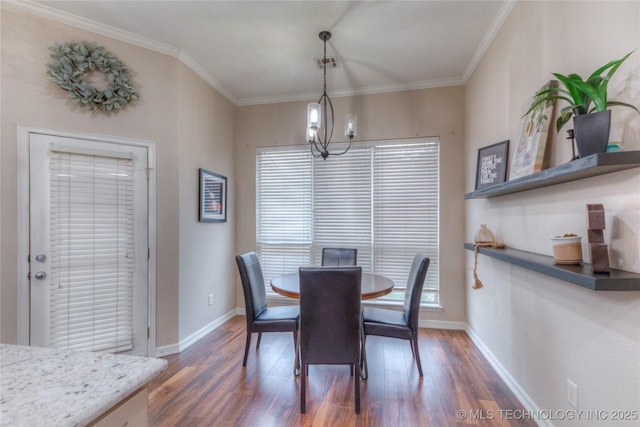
(592, 132)
(567, 250)
(484, 235)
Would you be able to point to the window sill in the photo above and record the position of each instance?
(399, 304)
(282, 300)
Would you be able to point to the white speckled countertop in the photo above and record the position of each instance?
(50, 387)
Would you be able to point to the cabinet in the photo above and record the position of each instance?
(132, 411)
(581, 275)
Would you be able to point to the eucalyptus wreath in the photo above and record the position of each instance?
(72, 60)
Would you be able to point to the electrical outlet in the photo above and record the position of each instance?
(210, 299)
(572, 394)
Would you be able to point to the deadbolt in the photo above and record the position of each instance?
(41, 257)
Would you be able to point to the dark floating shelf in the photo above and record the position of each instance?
(593, 165)
(581, 275)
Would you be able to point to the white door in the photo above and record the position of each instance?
(88, 257)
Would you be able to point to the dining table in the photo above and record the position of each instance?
(373, 285)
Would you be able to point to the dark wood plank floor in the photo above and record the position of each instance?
(206, 385)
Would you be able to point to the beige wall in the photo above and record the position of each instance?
(420, 113)
(544, 331)
(172, 112)
(207, 250)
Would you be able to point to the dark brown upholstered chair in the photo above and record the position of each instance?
(399, 324)
(339, 257)
(330, 322)
(261, 318)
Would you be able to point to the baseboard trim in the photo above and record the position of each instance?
(193, 338)
(519, 392)
(442, 324)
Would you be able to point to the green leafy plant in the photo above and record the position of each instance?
(581, 94)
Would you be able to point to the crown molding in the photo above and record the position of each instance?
(191, 63)
(489, 35)
(370, 90)
(424, 84)
(90, 25)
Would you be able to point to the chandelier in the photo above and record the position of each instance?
(319, 132)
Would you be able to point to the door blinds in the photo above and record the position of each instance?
(92, 268)
(381, 198)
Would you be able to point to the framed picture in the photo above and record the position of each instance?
(531, 154)
(213, 197)
(492, 164)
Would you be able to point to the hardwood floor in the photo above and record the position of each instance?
(206, 385)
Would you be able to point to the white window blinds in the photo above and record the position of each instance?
(91, 268)
(381, 198)
(342, 202)
(284, 211)
(405, 204)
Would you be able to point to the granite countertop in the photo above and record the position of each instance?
(45, 386)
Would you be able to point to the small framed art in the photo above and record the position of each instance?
(213, 197)
(531, 154)
(492, 164)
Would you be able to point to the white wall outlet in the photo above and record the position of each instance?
(210, 299)
(572, 394)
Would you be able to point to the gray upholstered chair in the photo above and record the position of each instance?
(330, 322)
(261, 318)
(399, 324)
(339, 256)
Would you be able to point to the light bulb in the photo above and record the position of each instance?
(311, 135)
(351, 122)
(313, 116)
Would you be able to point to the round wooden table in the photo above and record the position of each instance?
(373, 285)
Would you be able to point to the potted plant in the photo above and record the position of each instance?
(588, 105)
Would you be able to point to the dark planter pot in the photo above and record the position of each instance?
(592, 132)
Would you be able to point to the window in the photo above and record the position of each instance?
(381, 198)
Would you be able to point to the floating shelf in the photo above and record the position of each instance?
(581, 275)
(593, 165)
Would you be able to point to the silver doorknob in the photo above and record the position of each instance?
(41, 257)
(40, 275)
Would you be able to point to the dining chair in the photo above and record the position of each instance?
(261, 318)
(339, 256)
(330, 322)
(398, 324)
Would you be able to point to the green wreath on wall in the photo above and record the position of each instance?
(70, 63)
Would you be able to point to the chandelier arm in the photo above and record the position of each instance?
(315, 145)
(319, 153)
(333, 122)
(316, 155)
(345, 150)
(318, 138)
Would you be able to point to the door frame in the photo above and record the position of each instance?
(24, 134)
